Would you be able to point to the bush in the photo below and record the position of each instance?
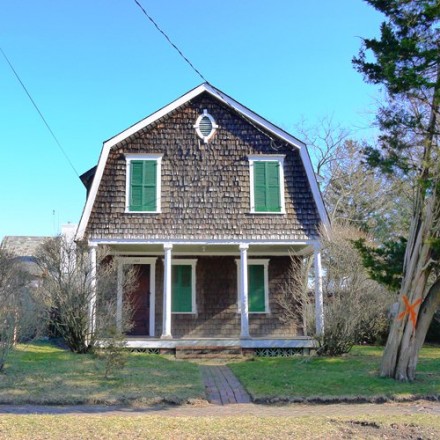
(69, 287)
(355, 306)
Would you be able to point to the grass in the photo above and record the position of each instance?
(44, 374)
(348, 377)
(76, 426)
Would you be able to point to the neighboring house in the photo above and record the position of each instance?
(209, 200)
(25, 249)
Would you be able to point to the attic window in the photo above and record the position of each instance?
(205, 126)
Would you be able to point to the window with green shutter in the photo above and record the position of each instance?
(267, 186)
(143, 185)
(256, 286)
(182, 294)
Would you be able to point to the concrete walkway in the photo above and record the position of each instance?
(221, 385)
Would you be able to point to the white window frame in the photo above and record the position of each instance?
(136, 156)
(266, 158)
(255, 262)
(192, 263)
(197, 126)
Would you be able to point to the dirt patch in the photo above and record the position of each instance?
(374, 430)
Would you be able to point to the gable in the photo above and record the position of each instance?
(174, 123)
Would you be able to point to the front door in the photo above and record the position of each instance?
(140, 302)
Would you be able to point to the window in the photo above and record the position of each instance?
(267, 183)
(258, 285)
(205, 126)
(183, 286)
(143, 183)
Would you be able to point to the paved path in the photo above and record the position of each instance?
(221, 385)
(237, 410)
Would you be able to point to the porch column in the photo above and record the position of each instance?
(319, 303)
(166, 325)
(92, 298)
(120, 293)
(244, 291)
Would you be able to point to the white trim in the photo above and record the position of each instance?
(97, 241)
(153, 157)
(125, 261)
(244, 292)
(119, 295)
(166, 310)
(207, 253)
(319, 300)
(197, 126)
(294, 342)
(255, 262)
(317, 196)
(92, 299)
(172, 106)
(266, 158)
(192, 263)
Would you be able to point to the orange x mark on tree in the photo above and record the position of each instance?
(410, 310)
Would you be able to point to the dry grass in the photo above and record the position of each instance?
(243, 427)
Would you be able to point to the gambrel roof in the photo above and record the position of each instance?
(246, 113)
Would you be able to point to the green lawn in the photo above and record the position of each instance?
(44, 374)
(350, 376)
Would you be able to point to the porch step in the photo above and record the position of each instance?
(208, 351)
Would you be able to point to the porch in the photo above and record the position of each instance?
(212, 294)
(303, 342)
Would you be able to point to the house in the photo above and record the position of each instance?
(25, 306)
(25, 249)
(209, 200)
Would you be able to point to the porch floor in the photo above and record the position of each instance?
(149, 342)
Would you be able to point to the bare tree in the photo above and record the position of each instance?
(355, 307)
(12, 280)
(70, 291)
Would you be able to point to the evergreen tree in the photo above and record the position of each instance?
(406, 62)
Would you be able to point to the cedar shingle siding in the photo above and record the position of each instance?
(216, 298)
(205, 187)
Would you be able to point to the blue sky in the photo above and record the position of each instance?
(96, 67)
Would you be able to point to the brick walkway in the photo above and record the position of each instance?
(221, 386)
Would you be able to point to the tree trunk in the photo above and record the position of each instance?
(406, 336)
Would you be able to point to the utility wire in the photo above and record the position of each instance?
(39, 112)
(169, 41)
(273, 143)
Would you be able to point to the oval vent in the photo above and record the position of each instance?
(205, 126)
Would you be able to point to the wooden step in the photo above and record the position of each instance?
(208, 351)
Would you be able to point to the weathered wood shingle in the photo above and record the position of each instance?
(205, 187)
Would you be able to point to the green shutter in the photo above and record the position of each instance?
(273, 186)
(260, 186)
(143, 185)
(257, 301)
(267, 197)
(181, 289)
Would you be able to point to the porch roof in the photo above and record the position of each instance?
(143, 248)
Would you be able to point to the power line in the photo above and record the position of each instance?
(272, 143)
(39, 112)
(169, 41)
